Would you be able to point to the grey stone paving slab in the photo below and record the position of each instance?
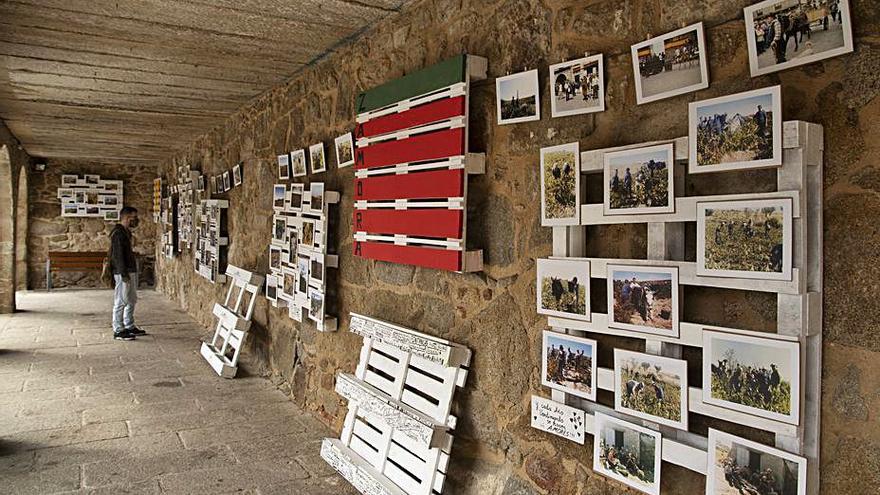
(83, 414)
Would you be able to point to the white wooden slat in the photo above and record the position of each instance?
(404, 457)
(361, 475)
(438, 351)
(367, 433)
(378, 381)
(384, 364)
(365, 450)
(451, 163)
(404, 480)
(419, 403)
(411, 204)
(453, 123)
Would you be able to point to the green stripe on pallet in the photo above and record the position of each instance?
(437, 76)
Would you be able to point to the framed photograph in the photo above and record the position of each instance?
(745, 239)
(278, 193)
(93, 211)
(70, 210)
(272, 287)
(317, 270)
(627, 453)
(577, 87)
(302, 269)
(236, 175)
(643, 299)
(561, 185)
(640, 180)
(671, 64)
(344, 150)
(518, 97)
(112, 185)
(737, 465)
(111, 215)
(736, 131)
(308, 233)
(316, 304)
(279, 229)
(292, 243)
(68, 180)
(284, 166)
(568, 364)
(754, 375)
(296, 197)
(651, 387)
(298, 163)
(564, 288)
(92, 180)
(274, 258)
(316, 195)
(110, 200)
(227, 182)
(65, 193)
(782, 35)
(288, 284)
(316, 156)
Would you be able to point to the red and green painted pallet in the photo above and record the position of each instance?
(412, 165)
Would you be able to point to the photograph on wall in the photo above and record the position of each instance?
(227, 182)
(236, 175)
(302, 270)
(787, 33)
(298, 162)
(627, 453)
(316, 304)
(296, 197)
(288, 283)
(672, 64)
(65, 193)
(279, 231)
(92, 180)
(272, 287)
(316, 193)
(754, 375)
(560, 185)
(284, 166)
(651, 387)
(317, 269)
(518, 97)
(639, 181)
(344, 150)
(308, 233)
(68, 180)
(736, 131)
(739, 466)
(111, 215)
(278, 193)
(316, 156)
(293, 244)
(274, 257)
(643, 299)
(569, 364)
(109, 200)
(577, 87)
(112, 185)
(563, 288)
(745, 239)
(70, 210)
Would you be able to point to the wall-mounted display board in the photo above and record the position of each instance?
(168, 224)
(90, 196)
(233, 321)
(157, 198)
(298, 252)
(398, 431)
(211, 240)
(412, 165)
(190, 191)
(768, 242)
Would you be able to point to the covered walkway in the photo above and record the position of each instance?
(82, 413)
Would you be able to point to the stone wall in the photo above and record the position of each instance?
(49, 231)
(14, 162)
(493, 312)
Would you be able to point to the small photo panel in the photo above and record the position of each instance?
(569, 364)
(640, 181)
(278, 193)
(316, 194)
(274, 257)
(737, 466)
(627, 453)
(316, 304)
(754, 375)
(643, 299)
(68, 180)
(518, 98)
(316, 156)
(344, 150)
(560, 185)
(672, 64)
(651, 387)
(736, 132)
(564, 288)
(284, 166)
(236, 175)
(786, 34)
(745, 239)
(577, 87)
(298, 163)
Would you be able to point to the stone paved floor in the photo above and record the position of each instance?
(82, 413)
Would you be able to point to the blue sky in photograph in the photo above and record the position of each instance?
(637, 159)
(524, 84)
(756, 355)
(554, 341)
(624, 275)
(746, 106)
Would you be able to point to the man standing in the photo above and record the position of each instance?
(125, 275)
(761, 120)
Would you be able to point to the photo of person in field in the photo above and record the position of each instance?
(627, 453)
(568, 364)
(737, 130)
(639, 181)
(560, 173)
(643, 299)
(651, 387)
(753, 375)
(745, 239)
(740, 466)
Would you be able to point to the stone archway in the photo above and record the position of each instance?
(21, 231)
(7, 233)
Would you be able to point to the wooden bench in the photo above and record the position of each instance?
(72, 261)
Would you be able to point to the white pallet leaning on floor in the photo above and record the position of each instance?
(398, 430)
(233, 321)
(799, 301)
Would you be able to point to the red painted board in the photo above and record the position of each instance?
(429, 146)
(432, 222)
(430, 184)
(437, 258)
(434, 111)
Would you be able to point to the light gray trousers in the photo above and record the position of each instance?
(124, 299)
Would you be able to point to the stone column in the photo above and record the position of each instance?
(7, 233)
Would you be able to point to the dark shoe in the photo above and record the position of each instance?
(136, 331)
(123, 335)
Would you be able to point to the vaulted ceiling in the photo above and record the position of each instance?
(130, 81)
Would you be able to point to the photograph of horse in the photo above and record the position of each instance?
(651, 387)
(643, 298)
(627, 453)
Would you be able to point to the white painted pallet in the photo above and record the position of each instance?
(233, 321)
(397, 433)
(799, 302)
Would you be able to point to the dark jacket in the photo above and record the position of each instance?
(122, 258)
